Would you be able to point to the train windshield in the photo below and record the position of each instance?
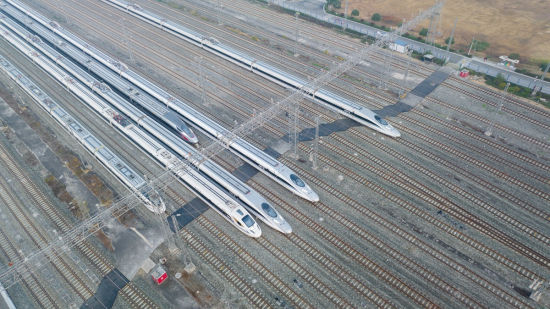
(184, 128)
(297, 180)
(248, 221)
(382, 121)
(270, 211)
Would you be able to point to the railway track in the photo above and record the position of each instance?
(461, 269)
(253, 263)
(292, 64)
(438, 255)
(132, 294)
(514, 180)
(510, 164)
(31, 282)
(253, 296)
(498, 174)
(276, 283)
(132, 297)
(36, 234)
(497, 94)
(335, 39)
(498, 257)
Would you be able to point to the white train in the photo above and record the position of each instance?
(201, 185)
(249, 153)
(254, 202)
(333, 101)
(150, 197)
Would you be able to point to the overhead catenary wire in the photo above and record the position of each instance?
(81, 231)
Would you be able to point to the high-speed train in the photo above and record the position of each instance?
(174, 121)
(249, 153)
(150, 197)
(333, 101)
(254, 202)
(252, 155)
(218, 199)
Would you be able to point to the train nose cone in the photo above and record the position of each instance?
(193, 139)
(312, 196)
(255, 231)
(395, 133)
(285, 228)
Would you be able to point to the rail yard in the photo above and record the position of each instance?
(396, 184)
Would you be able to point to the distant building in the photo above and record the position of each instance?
(508, 63)
(399, 46)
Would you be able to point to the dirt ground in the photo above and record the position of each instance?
(521, 27)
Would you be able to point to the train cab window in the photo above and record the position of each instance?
(382, 121)
(184, 128)
(248, 221)
(270, 211)
(297, 180)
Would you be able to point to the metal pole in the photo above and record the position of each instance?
(381, 81)
(220, 6)
(489, 131)
(296, 34)
(430, 30)
(296, 110)
(452, 35)
(346, 14)
(202, 81)
(541, 80)
(289, 115)
(316, 143)
(472, 44)
(128, 41)
(388, 71)
(407, 70)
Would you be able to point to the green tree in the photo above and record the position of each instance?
(448, 39)
(514, 56)
(335, 3)
(514, 89)
(423, 32)
(481, 45)
(376, 17)
(543, 65)
(355, 12)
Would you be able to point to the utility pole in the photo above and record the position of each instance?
(489, 131)
(451, 38)
(430, 30)
(202, 81)
(406, 77)
(20, 269)
(127, 40)
(296, 111)
(220, 7)
(472, 44)
(346, 14)
(316, 144)
(296, 35)
(534, 93)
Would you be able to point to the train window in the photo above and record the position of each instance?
(269, 210)
(185, 129)
(248, 221)
(297, 180)
(382, 121)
